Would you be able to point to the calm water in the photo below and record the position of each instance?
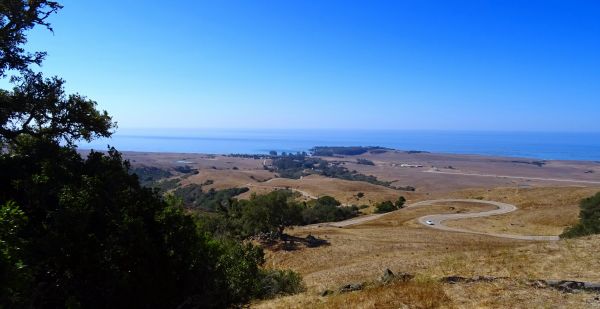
(564, 146)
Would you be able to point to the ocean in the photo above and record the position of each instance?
(547, 146)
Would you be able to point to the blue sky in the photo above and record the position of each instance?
(440, 65)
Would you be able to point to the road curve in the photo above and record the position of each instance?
(437, 219)
(502, 208)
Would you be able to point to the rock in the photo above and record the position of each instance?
(592, 286)
(572, 286)
(312, 241)
(404, 277)
(351, 287)
(484, 278)
(540, 284)
(455, 279)
(326, 293)
(387, 276)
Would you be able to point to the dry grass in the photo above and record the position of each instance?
(430, 293)
(343, 190)
(513, 294)
(223, 179)
(361, 253)
(415, 294)
(419, 293)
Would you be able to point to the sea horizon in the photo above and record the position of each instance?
(579, 146)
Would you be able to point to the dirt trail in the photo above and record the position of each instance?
(437, 219)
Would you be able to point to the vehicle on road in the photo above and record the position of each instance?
(429, 222)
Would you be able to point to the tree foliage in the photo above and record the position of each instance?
(17, 17)
(83, 232)
(387, 206)
(589, 218)
(37, 107)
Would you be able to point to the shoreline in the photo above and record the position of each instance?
(408, 152)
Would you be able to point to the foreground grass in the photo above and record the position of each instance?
(417, 294)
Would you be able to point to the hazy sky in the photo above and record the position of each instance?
(460, 65)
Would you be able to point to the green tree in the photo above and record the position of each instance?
(327, 209)
(17, 17)
(268, 213)
(82, 232)
(385, 206)
(400, 202)
(589, 218)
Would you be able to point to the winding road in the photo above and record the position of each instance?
(438, 219)
(501, 208)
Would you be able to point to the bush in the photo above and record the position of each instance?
(274, 282)
(327, 209)
(589, 218)
(364, 161)
(384, 207)
(400, 202)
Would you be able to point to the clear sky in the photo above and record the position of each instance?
(414, 64)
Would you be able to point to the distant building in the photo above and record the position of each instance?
(410, 165)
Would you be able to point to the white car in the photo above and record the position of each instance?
(429, 222)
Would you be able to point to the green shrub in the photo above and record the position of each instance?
(384, 207)
(400, 202)
(589, 218)
(274, 282)
(327, 209)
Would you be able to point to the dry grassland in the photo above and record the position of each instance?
(361, 253)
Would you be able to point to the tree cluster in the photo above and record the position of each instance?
(271, 213)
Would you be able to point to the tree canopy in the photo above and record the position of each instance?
(82, 232)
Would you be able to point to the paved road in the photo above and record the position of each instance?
(501, 208)
(438, 219)
(512, 177)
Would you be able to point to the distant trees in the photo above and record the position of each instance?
(296, 165)
(194, 196)
(327, 209)
(364, 161)
(589, 218)
(329, 151)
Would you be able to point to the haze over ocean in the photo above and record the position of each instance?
(538, 145)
